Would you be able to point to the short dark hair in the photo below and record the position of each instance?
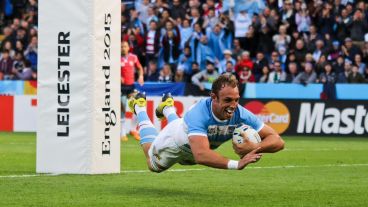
(227, 62)
(153, 62)
(222, 81)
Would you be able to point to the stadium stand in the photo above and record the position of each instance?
(178, 34)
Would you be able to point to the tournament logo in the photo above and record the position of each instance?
(274, 113)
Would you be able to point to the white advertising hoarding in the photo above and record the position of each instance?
(25, 108)
(25, 113)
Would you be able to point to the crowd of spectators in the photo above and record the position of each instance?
(258, 41)
(18, 39)
(269, 41)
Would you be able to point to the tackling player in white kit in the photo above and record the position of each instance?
(208, 124)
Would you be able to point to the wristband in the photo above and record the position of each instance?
(232, 165)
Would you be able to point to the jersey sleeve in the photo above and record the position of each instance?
(195, 120)
(250, 119)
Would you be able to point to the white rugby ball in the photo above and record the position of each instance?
(250, 133)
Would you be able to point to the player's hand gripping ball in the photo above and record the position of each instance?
(250, 133)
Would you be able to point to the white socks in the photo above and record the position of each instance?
(139, 109)
(169, 110)
(122, 130)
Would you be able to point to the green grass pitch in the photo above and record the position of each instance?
(311, 171)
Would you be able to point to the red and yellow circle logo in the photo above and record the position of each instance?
(274, 113)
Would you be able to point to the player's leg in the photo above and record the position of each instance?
(123, 134)
(137, 104)
(126, 91)
(133, 129)
(132, 126)
(166, 108)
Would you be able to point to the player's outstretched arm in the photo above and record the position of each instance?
(205, 156)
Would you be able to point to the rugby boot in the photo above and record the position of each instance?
(138, 98)
(135, 134)
(166, 101)
(124, 138)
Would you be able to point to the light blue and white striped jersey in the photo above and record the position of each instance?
(200, 120)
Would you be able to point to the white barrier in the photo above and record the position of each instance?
(25, 113)
(79, 86)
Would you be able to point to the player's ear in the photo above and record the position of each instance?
(213, 96)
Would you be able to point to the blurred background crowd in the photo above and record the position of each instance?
(18, 39)
(268, 41)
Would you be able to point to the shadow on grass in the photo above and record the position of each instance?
(159, 192)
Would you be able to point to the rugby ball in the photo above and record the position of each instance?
(250, 133)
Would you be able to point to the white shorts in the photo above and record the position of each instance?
(165, 151)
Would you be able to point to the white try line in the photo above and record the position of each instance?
(170, 170)
(202, 169)
(318, 149)
(27, 176)
(309, 166)
(22, 143)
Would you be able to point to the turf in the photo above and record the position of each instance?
(311, 171)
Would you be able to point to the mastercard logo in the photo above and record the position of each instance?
(274, 113)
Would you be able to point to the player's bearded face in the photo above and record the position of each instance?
(224, 104)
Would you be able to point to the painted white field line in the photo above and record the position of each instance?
(172, 170)
(309, 166)
(286, 149)
(27, 176)
(203, 169)
(320, 149)
(22, 143)
(123, 172)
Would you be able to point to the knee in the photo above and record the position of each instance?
(154, 170)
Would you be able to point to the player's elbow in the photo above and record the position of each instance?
(200, 158)
(279, 145)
